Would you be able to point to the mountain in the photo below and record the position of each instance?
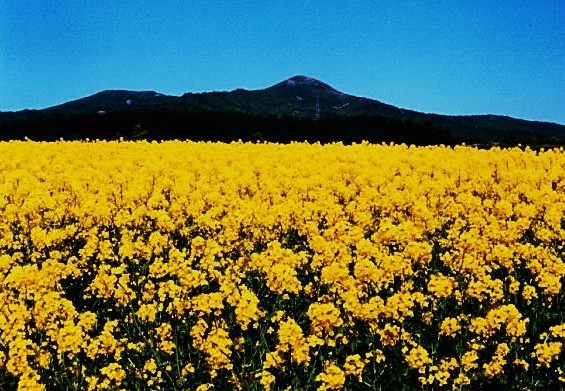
(298, 97)
(299, 108)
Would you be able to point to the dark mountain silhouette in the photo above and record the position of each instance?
(297, 109)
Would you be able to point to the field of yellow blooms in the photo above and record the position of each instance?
(202, 266)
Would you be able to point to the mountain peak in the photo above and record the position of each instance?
(304, 80)
(305, 83)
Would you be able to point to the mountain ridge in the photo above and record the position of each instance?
(300, 100)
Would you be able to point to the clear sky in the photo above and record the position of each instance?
(454, 57)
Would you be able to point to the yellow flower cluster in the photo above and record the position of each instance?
(196, 266)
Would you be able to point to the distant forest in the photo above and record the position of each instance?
(226, 127)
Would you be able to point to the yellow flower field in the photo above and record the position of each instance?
(202, 266)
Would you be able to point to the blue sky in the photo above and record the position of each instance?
(454, 57)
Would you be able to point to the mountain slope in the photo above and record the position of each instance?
(112, 100)
(310, 109)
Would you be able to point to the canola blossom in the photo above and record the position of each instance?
(208, 266)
